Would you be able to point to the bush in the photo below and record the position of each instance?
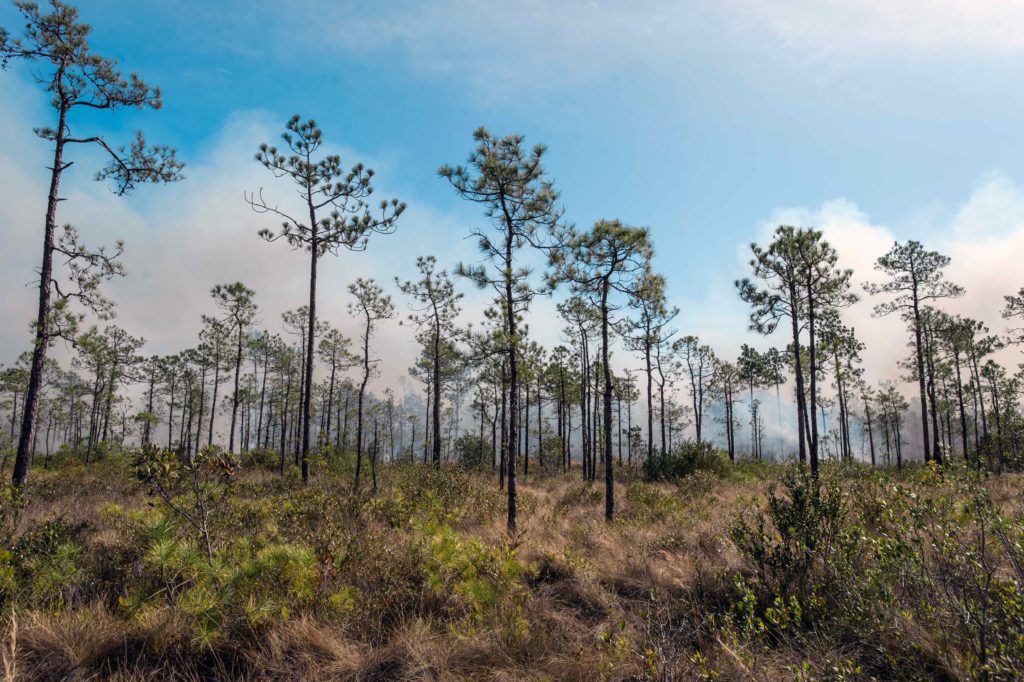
(244, 587)
(918, 579)
(959, 564)
(688, 458)
(45, 566)
(261, 458)
(799, 529)
(471, 450)
(481, 579)
(195, 489)
(863, 574)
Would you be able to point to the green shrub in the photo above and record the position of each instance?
(45, 567)
(691, 456)
(260, 458)
(959, 564)
(194, 490)
(471, 450)
(648, 504)
(484, 579)
(246, 586)
(798, 531)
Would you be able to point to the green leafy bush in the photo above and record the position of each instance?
(244, 587)
(45, 566)
(471, 450)
(691, 456)
(194, 489)
(798, 531)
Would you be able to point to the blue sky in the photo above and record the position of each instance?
(695, 123)
(707, 122)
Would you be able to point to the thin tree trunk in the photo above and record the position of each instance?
(42, 338)
(235, 397)
(609, 475)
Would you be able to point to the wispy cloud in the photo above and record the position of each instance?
(538, 44)
(863, 27)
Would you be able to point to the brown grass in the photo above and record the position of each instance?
(627, 600)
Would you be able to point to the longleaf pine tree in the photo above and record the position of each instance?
(336, 215)
(435, 305)
(800, 281)
(240, 311)
(610, 259)
(915, 278)
(520, 200)
(76, 78)
(372, 306)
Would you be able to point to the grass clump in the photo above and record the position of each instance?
(765, 572)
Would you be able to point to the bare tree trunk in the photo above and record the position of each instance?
(609, 480)
(871, 431)
(801, 408)
(920, 377)
(216, 384)
(234, 398)
(310, 339)
(42, 341)
(513, 396)
(359, 403)
(436, 449)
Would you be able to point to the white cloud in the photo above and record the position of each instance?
(984, 238)
(996, 207)
(862, 26)
(183, 238)
(535, 43)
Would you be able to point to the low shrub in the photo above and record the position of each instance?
(690, 457)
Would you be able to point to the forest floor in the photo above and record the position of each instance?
(745, 572)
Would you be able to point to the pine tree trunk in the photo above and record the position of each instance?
(41, 343)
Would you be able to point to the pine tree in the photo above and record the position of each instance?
(435, 308)
(336, 215)
(56, 43)
(915, 277)
(522, 205)
(240, 311)
(372, 305)
(610, 259)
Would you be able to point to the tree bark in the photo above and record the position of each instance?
(41, 344)
(609, 476)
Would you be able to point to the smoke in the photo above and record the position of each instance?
(184, 238)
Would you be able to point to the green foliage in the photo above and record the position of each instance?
(472, 451)
(195, 489)
(13, 500)
(861, 560)
(690, 457)
(946, 542)
(260, 458)
(860, 574)
(483, 578)
(646, 503)
(799, 530)
(443, 494)
(246, 586)
(44, 568)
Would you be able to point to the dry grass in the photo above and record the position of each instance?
(621, 601)
(587, 578)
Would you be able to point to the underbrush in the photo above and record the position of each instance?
(690, 457)
(156, 567)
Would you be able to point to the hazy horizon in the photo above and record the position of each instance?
(709, 125)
